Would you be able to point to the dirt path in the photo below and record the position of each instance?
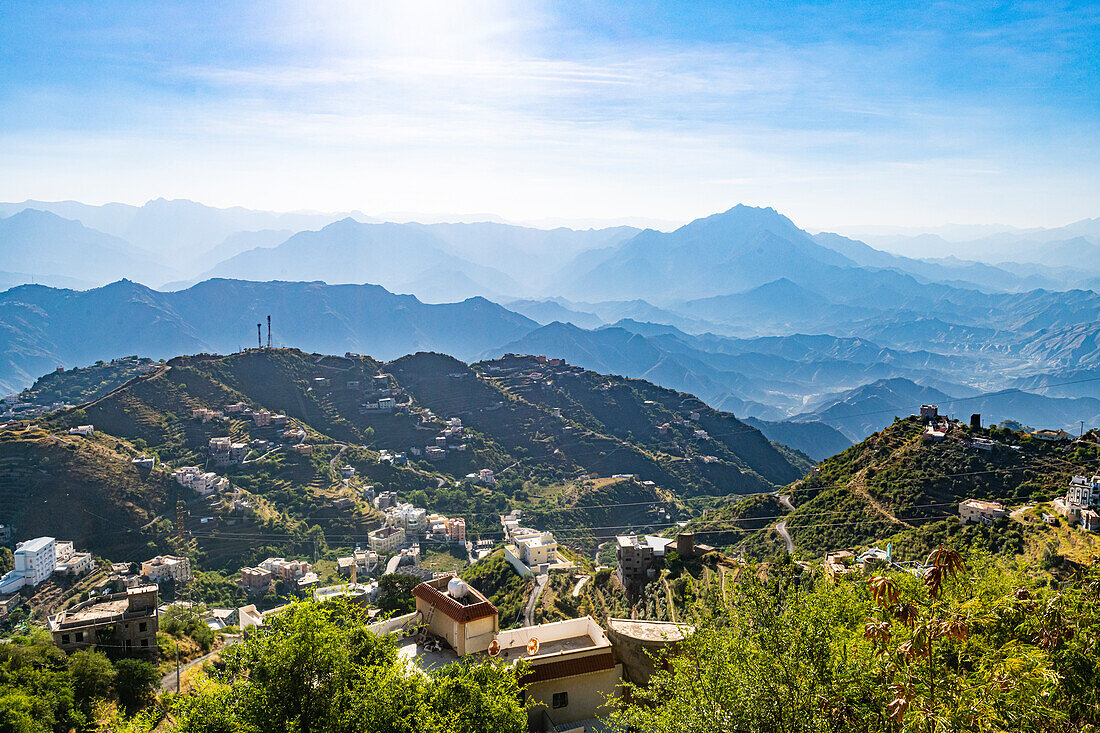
(168, 682)
(858, 486)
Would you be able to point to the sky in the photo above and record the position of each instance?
(853, 113)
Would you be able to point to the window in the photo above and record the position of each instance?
(64, 638)
(145, 642)
(561, 699)
(142, 626)
(79, 636)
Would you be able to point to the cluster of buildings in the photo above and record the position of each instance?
(225, 452)
(297, 574)
(404, 522)
(380, 395)
(203, 483)
(36, 560)
(529, 551)
(573, 669)
(1080, 502)
(638, 558)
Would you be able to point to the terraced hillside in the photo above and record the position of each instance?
(895, 481)
(584, 454)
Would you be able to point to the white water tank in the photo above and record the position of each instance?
(457, 588)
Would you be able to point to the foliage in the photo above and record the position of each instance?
(135, 682)
(318, 668)
(395, 593)
(180, 621)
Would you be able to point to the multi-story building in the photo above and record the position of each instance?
(537, 549)
(456, 529)
(164, 568)
(124, 621)
(283, 569)
(387, 539)
(255, 580)
(35, 561)
(637, 557)
(1084, 492)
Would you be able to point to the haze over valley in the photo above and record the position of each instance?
(743, 308)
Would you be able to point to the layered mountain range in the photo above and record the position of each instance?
(743, 308)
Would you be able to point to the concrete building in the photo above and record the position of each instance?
(537, 549)
(1090, 520)
(126, 621)
(76, 563)
(286, 570)
(986, 512)
(929, 412)
(35, 561)
(636, 558)
(84, 430)
(571, 670)
(456, 529)
(165, 568)
(1084, 492)
(387, 539)
(1053, 436)
(255, 580)
(457, 613)
(642, 646)
(385, 500)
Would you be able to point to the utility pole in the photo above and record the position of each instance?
(269, 332)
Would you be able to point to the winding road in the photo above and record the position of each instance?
(533, 601)
(781, 528)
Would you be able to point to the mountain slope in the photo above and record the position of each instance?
(42, 327)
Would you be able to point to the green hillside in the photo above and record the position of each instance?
(894, 482)
(585, 455)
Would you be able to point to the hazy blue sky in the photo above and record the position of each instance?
(834, 113)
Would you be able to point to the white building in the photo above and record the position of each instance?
(986, 512)
(1084, 492)
(164, 568)
(82, 430)
(35, 561)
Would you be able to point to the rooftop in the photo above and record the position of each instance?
(557, 638)
(469, 608)
(36, 545)
(650, 630)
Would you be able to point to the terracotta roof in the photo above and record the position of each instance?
(452, 608)
(569, 668)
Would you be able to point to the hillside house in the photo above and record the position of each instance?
(255, 580)
(1084, 492)
(535, 553)
(165, 568)
(976, 510)
(1052, 436)
(385, 500)
(929, 412)
(1071, 511)
(637, 558)
(985, 444)
(286, 570)
(84, 430)
(386, 539)
(202, 414)
(433, 453)
(35, 560)
(457, 613)
(571, 671)
(261, 418)
(144, 462)
(1090, 520)
(126, 621)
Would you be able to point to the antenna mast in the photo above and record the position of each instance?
(259, 337)
(269, 332)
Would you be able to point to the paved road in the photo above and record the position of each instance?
(168, 682)
(781, 528)
(533, 601)
(785, 500)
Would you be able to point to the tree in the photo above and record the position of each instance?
(135, 681)
(92, 675)
(395, 593)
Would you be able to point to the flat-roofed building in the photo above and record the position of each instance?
(126, 621)
(571, 671)
(986, 512)
(387, 539)
(164, 568)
